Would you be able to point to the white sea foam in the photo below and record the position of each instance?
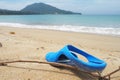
(86, 29)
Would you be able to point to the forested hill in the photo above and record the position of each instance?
(11, 12)
(36, 8)
(42, 8)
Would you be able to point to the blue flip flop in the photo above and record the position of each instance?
(67, 55)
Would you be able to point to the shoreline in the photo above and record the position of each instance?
(111, 35)
(33, 44)
(68, 28)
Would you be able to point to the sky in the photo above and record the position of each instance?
(107, 7)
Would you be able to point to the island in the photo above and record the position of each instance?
(36, 8)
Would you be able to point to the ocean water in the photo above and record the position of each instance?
(98, 24)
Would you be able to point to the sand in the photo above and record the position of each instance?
(34, 44)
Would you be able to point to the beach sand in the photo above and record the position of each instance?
(33, 44)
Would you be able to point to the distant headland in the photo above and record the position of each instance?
(36, 8)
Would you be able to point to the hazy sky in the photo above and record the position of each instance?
(83, 6)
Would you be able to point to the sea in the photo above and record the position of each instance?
(96, 24)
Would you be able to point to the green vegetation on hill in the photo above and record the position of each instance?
(36, 8)
(10, 12)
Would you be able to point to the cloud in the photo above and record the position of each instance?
(15, 4)
(103, 7)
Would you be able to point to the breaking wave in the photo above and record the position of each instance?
(85, 29)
